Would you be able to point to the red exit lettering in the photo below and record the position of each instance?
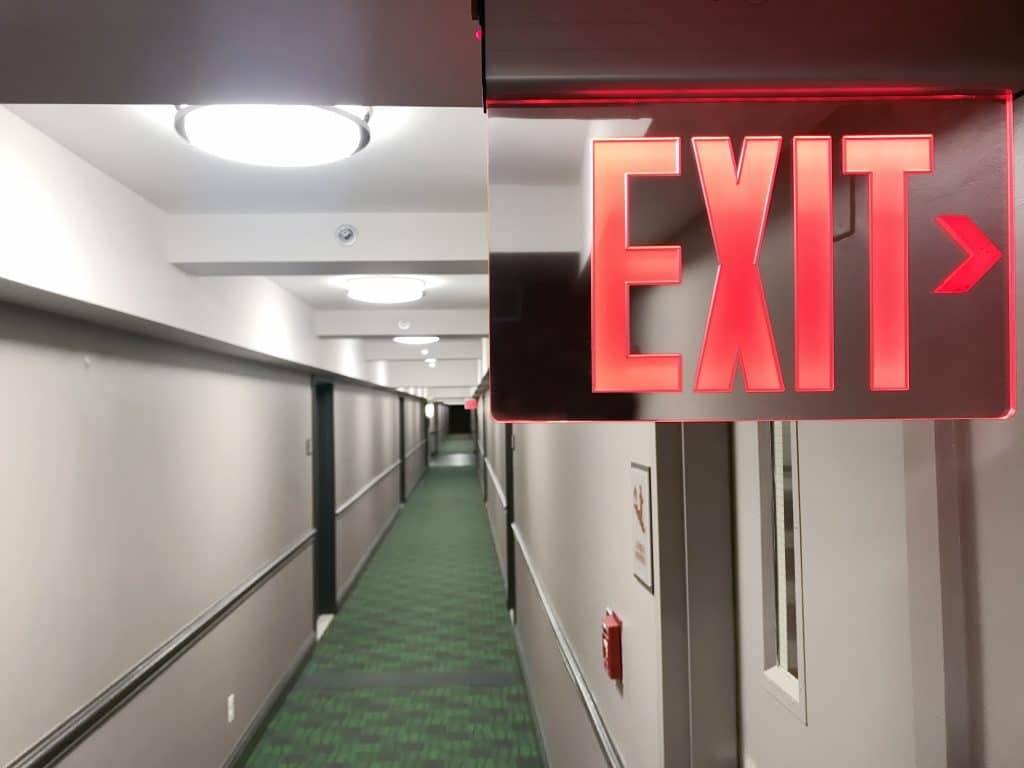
(737, 195)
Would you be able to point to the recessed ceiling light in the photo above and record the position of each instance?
(383, 290)
(415, 341)
(424, 351)
(431, 361)
(275, 135)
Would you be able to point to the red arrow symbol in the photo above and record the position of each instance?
(982, 254)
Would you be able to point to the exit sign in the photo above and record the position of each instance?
(784, 258)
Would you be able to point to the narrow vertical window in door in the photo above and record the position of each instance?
(786, 533)
(781, 567)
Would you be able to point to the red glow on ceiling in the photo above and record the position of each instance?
(604, 96)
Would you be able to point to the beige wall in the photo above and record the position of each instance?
(563, 722)
(140, 484)
(180, 719)
(572, 506)
(366, 444)
(415, 445)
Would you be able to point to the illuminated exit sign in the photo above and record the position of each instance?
(809, 259)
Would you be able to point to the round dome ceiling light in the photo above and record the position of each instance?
(384, 290)
(415, 341)
(275, 135)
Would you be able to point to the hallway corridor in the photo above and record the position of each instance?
(419, 668)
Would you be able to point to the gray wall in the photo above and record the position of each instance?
(494, 475)
(180, 720)
(992, 539)
(913, 602)
(415, 444)
(565, 728)
(572, 505)
(366, 445)
(140, 483)
(438, 427)
(572, 510)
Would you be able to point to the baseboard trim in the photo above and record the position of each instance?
(349, 585)
(270, 706)
(56, 744)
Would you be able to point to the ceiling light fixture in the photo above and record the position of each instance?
(275, 135)
(431, 361)
(384, 290)
(424, 351)
(415, 341)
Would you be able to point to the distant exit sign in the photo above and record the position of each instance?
(771, 259)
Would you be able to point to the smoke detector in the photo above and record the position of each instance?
(346, 234)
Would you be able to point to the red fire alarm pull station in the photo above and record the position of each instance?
(611, 644)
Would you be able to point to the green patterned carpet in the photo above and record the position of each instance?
(419, 668)
(457, 444)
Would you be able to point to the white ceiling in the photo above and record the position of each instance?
(421, 162)
(442, 292)
(418, 159)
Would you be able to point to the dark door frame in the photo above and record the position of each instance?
(510, 516)
(401, 449)
(324, 502)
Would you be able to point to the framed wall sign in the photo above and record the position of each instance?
(641, 517)
(754, 258)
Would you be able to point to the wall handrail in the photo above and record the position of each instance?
(415, 448)
(497, 483)
(572, 665)
(84, 721)
(345, 505)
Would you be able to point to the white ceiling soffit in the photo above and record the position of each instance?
(418, 159)
(451, 395)
(256, 51)
(394, 322)
(447, 373)
(306, 244)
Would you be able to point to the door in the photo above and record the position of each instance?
(323, 496)
(823, 598)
